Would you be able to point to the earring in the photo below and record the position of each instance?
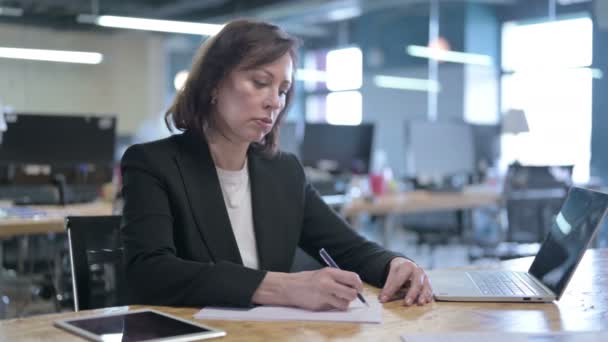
(213, 99)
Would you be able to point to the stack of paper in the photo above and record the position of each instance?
(357, 312)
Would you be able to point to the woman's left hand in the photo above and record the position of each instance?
(406, 278)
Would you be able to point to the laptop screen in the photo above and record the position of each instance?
(568, 238)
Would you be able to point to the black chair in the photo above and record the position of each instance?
(96, 261)
(434, 229)
(533, 196)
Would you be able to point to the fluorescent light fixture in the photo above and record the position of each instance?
(311, 75)
(449, 56)
(11, 11)
(151, 24)
(571, 2)
(407, 83)
(344, 13)
(52, 55)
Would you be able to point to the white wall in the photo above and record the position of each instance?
(130, 81)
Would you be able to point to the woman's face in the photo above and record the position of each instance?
(248, 101)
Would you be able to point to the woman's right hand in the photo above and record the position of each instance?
(324, 289)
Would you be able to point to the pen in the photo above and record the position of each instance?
(331, 263)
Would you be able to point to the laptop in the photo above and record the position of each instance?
(573, 228)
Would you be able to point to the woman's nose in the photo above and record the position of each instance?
(273, 101)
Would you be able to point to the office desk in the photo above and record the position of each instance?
(52, 221)
(419, 201)
(584, 307)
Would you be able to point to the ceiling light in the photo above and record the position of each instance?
(449, 56)
(406, 83)
(11, 11)
(345, 13)
(52, 55)
(151, 24)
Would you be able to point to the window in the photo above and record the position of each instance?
(335, 99)
(546, 73)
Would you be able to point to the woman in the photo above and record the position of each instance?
(213, 216)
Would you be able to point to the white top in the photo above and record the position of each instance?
(237, 198)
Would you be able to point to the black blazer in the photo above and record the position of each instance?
(179, 245)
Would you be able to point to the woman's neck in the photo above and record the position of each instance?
(226, 154)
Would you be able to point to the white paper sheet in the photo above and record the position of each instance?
(357, 312)
(508, 337)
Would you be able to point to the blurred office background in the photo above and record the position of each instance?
(502, 99)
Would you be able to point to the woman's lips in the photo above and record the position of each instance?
(265, 123)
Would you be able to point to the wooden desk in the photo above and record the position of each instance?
(584, 307)
(53, 221)
(418, 201)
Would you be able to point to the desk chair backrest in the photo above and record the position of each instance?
(533, 196)
(96, 261)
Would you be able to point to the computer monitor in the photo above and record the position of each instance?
(486, 139)
(35, 147)
(337, 148)
(58, 139)
(439, 149)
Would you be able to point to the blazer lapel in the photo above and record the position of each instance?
(270, 232)
(206, 200)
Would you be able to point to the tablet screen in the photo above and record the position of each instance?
(136, 326)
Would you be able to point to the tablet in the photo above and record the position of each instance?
(137, 325)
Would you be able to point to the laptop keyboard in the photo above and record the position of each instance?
(505, 283)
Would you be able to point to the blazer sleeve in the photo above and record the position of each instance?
(156, 275)
(324, 228)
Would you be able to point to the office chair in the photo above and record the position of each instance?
(533, 196)
(96, 261)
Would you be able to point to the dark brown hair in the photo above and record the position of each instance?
(243, 43)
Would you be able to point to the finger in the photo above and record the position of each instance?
(417, 282)
(426, 293)
(400, 294)
(428, 288)
(338, 303)
(341, 291)
(395, 280)
(429, 297)
(424, 297)
(347, 278)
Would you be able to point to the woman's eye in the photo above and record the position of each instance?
(259, 83)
